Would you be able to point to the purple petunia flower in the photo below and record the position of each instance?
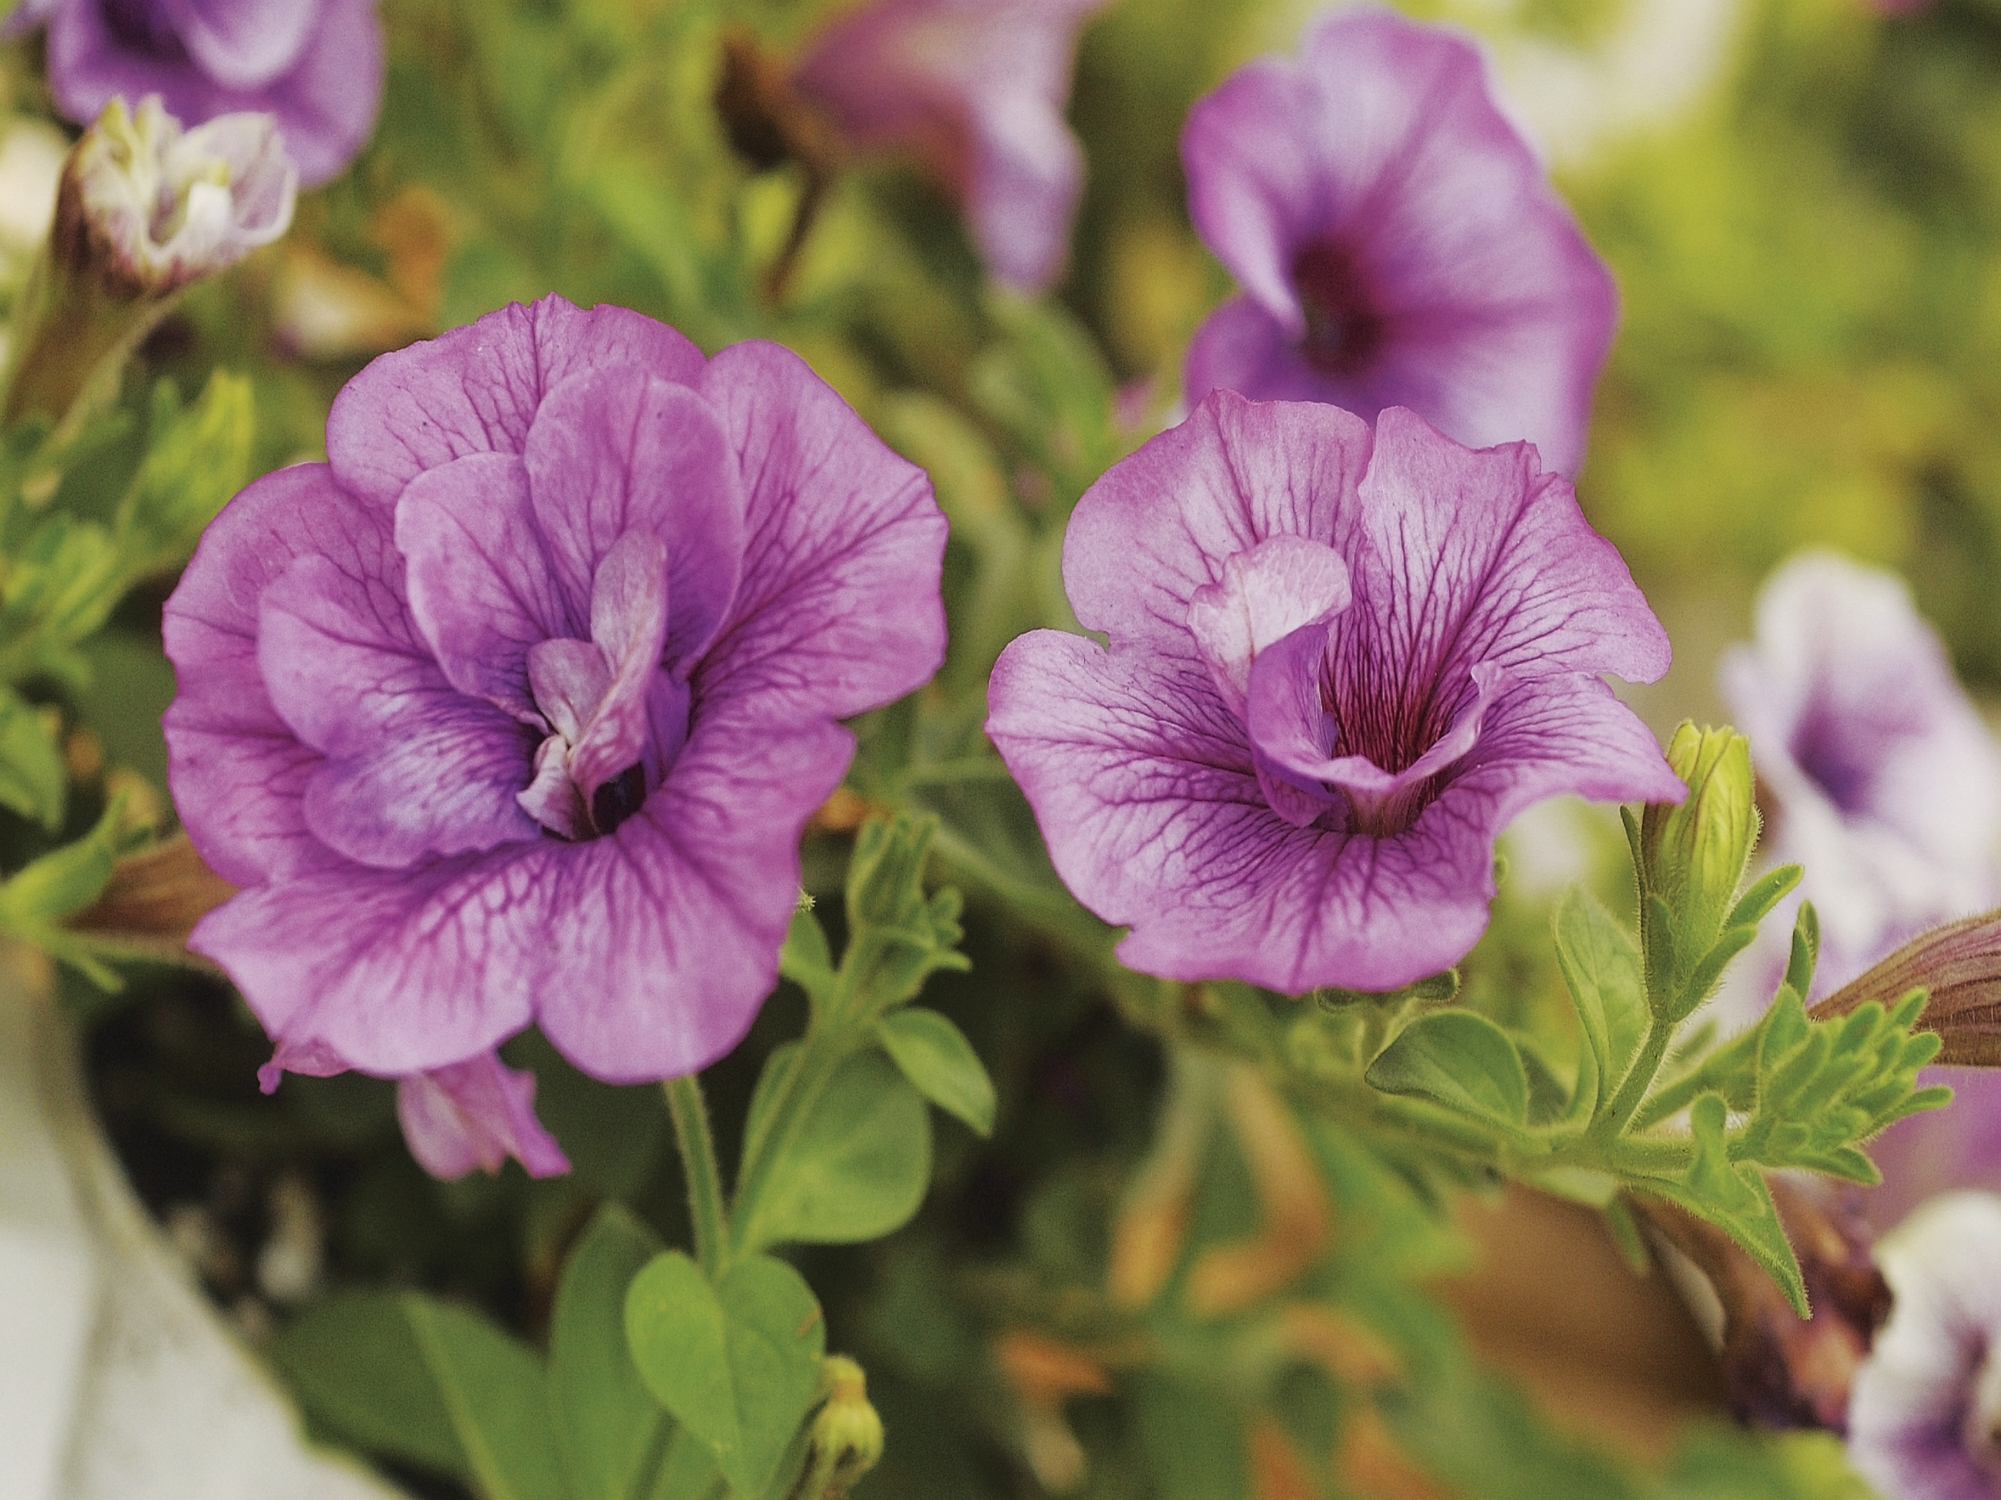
(512, 711)
(977, 89)
(475, 1114)
(1924, 1421)
(314, 64)
(1340, 662)
(1397, 242)
(1880, 779)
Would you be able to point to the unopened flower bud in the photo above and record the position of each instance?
(1959, 968)
(1692, 859)
(847, 1433)
(146, 208)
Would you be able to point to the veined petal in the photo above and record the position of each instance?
(615, 450)
(1478, 556)
(667, 931)
(476, 389)
(839, 609)
(630, 609)
(476, 1113)
(237, 769)
(1265, 594)
(481, 589)
(1159, 525)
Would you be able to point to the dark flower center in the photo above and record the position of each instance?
(618, 799)
(142, 24)
(1344, 329)
(1384, 716)
(1834, 761)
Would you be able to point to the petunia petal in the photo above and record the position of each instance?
(476, 1113)
(1154, 818)
(237, 769)
(1467, 557)
(1265, 594)
(476, 389)
(244, 44)
(667, 931)
(839, 609)
(413, 767)
(1158, 526)
(481, 589)
(613, 451)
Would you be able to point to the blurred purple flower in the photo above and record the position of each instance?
(1924, 1422)
(314, 64)
(1397, 242)
(977, 89)
(475, 1114)
(1880, 779)
(513, 711)
(1338, 667)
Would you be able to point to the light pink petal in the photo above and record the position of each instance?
(475, 1114)
(629, 622)
(839, 608)
(476, 389)
(1265, 594)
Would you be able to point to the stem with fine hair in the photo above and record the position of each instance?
(698, 1164)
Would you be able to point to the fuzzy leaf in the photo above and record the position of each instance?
(1460, 1059)
(936, 1057)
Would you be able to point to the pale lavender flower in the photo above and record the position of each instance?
(146, 207)
(1397, 242)
(475, 1114)
(977, 89)
(316, 65)
(1340, 662)
(1924, 1421)
(513, 711)
(1880, 779)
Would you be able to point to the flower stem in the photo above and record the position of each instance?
(1646, 1067)
(698, 1162)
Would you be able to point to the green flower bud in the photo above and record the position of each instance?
(847, 1434)
(1691, 860)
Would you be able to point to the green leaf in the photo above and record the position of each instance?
(855, 1167)
(608, 1425)
(195, 460)
(1762, 895)
(1601, 964)
(494, 1389)
(935, 1056)
(1460, 1059)
(354, 1363)
(31, 766)
(1733, 1196)
(737, 1364)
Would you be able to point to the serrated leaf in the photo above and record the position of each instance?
(494, 1389)
(1457, 1058)
(935, 1056)
(737, 1364)
(856, 1166)
(607, 1422)
(1600, 961)
(31, 766)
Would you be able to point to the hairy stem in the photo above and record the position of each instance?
(698, 1162)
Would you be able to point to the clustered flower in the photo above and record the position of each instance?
(512, 712)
